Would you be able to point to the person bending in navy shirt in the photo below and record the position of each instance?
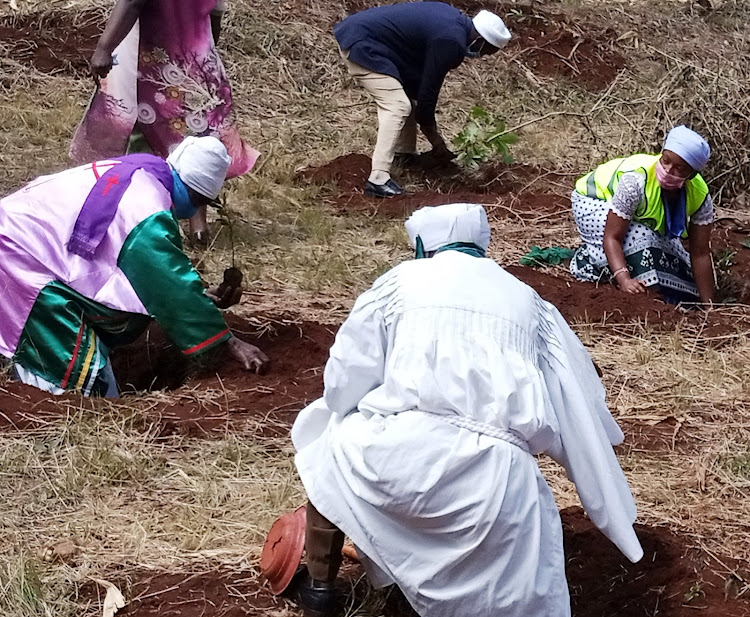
(401, 54)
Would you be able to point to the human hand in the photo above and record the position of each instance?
(630, 285)
(101, 63)
(251, 358)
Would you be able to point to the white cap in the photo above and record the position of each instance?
(441, 225)
(492, 29)
(689, 145)
(202, 164)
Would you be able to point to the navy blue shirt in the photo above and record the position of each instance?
(417, 43)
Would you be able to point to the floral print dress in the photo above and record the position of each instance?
(169, 81)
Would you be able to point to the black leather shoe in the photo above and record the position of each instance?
(389, 189)
(315, 598)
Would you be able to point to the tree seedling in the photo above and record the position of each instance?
(483, 137)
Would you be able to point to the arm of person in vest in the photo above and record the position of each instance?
(628, 194)
(442, 56)
(173, 294)
(699, 237)
(120, 22)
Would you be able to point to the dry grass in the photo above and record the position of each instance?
(132, 500)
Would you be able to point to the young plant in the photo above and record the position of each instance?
(483, 137)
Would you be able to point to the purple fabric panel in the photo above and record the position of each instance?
(35, 225)
(189, 29)
(102, 202)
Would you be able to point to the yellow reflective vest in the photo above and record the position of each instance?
(602, 184)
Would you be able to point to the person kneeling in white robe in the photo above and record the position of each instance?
(446, 378)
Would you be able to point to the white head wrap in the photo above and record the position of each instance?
(202, 164)
(689, 146)
(441, 225)
(491, 28)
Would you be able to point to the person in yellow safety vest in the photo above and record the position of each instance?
(632, 214)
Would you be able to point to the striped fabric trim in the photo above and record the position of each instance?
(69, 370)
(206, 343)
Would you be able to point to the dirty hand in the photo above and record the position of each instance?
(252, 358)
(225, 296)
(101, 64)
(631, 286)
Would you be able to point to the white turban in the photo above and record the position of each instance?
(441, 225)
(689, 146)
(202, 164)
(491, 28)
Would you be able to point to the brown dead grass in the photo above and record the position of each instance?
(132, 501)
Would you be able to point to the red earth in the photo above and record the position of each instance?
(298, 352)
(431, 185)
(49, 42)
(670, 581)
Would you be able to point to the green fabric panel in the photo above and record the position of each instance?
(49, 338)
(168, 285)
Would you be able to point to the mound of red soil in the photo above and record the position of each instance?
(59, 41)
(438, 185)
(671, 580)
(732, 260)
(298, 352)
(549, 44)
(579, 301)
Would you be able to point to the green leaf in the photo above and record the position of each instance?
(478, 113)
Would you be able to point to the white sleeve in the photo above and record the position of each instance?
(356, 365)
(705, 214)
(628, 195)
(587, 432)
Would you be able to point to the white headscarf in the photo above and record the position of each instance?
(202, 164)
(441, 225)
(689, 146)
(491, 28)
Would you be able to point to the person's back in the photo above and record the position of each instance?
(462, 338)
(395, 40)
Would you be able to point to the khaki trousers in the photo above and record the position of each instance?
(397, 128)
(323, 544)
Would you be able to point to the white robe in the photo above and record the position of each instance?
(436, 357)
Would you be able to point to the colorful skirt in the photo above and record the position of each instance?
(650, 257)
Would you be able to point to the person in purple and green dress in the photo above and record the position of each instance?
(89, 256)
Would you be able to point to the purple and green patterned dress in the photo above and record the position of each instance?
(61, 311)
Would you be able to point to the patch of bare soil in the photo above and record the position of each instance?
(548, 44)
(661, 437)
(298, 352)
(672, 580)
(51, 42)
(579, 301)
(439, 184)
(605, 304)
(732, 259)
